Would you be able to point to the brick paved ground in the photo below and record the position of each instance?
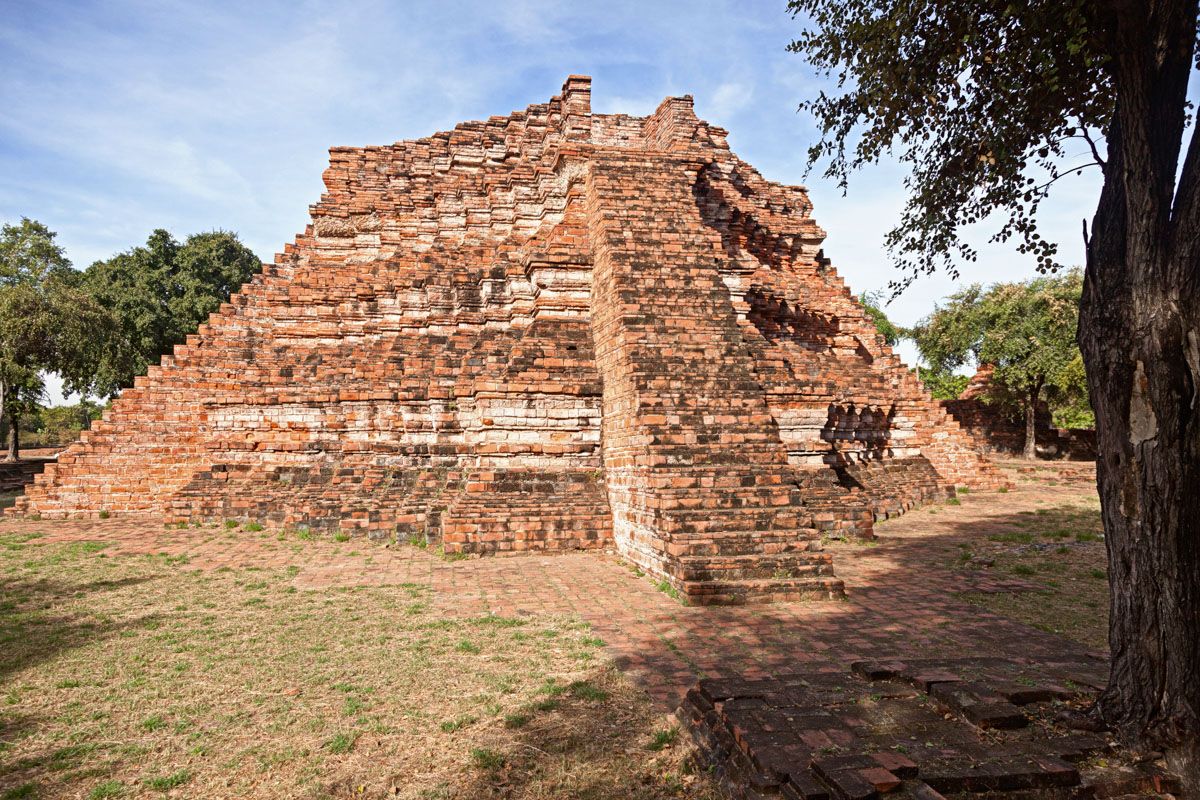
(901, 591)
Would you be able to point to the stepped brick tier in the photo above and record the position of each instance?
(555, 329)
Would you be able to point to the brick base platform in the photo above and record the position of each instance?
(922, 729)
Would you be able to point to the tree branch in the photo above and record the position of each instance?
(1059, 176)
(1091, 144)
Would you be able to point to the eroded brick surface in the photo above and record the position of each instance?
(919, 728)
(551, 330)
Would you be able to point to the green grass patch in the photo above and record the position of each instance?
(486, 758)
(458, 723)
(1015, 537)
(664, 738)
(106, 790)
(165, 783)
(585, 690)
(342, 743)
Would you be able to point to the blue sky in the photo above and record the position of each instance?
(121, 117)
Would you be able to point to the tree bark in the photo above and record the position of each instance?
(1140, 337)
(14, 437)
(1031, 405)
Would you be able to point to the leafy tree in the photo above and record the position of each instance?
(46, 322)
(872, 303)
(159, 293)
(1025, 330)
(984, 101)
(1069, 402)
(943, 385)
(60, 424)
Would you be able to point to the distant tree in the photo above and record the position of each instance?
(47, 323)
(1025, 330)
(872, 303)
(159, 293)
(25, 390)
(1070, 405)
(60, 424)
(943, 385)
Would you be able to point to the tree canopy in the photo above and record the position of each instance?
(159, 293)
(872, 303)
(989, 103)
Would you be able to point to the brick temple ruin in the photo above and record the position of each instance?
(554, 329)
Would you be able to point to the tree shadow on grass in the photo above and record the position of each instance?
(34, 628)
(588, 738)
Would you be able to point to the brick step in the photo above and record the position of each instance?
(801, 564)
(770, 543)
(689, 505)
(539, 517)
(689, 480)
(531, 492)
(762, 590)
(521, 534)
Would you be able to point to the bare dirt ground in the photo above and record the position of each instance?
(137, 661)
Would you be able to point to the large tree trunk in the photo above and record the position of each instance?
(1031, 405)
(1140, 337)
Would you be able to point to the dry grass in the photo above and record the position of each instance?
(1061, 549)
(138, 676)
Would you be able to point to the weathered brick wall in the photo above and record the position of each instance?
(531, 332)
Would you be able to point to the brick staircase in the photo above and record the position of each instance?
(700, 487)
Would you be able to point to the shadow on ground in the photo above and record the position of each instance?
(908, 596)
(31, 631)
(589, 739)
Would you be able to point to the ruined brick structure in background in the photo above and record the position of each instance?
(554, 329)
(999, 428)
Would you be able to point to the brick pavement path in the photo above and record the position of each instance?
(901, 591)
